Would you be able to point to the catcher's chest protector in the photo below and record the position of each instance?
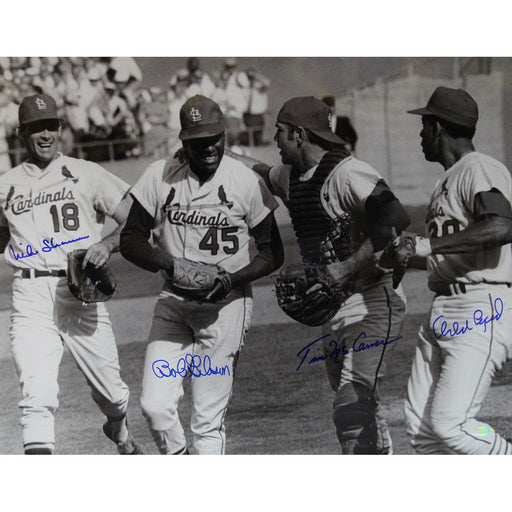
(310, 221)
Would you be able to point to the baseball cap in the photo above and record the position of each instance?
(454, 105)
(311, 113)
(37, 108)
(200, 117)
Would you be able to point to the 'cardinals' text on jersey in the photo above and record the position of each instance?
(54, 211)
(208, 222)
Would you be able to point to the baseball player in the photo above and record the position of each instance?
(50, 205)
(321, 182)
(466, 337)
(204, 209)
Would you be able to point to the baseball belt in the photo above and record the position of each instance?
(30, 273)
(449, 289)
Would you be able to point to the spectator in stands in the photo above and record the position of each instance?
(342, 126)
(230, 96)
(198, 81)
(177, 96)
(255, 87)
(156, 114)
(8, 123)
(120, 121)
(143, 99)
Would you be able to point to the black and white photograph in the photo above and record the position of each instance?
(276, 256)
(215, 256)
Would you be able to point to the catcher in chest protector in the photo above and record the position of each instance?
(202, 210)
(343, 214)
(52, 213)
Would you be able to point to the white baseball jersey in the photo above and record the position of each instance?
(451, 210)
(54, 211)
(208, 222)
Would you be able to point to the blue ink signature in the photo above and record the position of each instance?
(335, 350)
(48, 246)
(461, 328)
(191, 365)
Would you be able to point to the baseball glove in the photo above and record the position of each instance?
(90, 284)
(309, 293)
(396, 255)
(204, 282)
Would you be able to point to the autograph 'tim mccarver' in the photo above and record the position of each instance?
(335, 350)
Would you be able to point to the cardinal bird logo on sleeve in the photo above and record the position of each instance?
(223, 198)
(67, 174)
(10, 194)
(169, 200)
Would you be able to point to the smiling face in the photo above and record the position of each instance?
(41, 140)
(204, 154)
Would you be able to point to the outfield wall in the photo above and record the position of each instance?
(389, 137)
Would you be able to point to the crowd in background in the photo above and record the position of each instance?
(102, 99)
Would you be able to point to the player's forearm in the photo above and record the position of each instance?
(112, 240)
(261, 265)
(257, 166)
(362, 257)
(138, 250)
(135, 245)
(487, 233)
(270, 254)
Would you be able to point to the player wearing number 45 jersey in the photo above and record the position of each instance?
(51, 205)
(466, 337)
(204, 209)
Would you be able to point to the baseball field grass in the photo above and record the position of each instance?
(275, 409)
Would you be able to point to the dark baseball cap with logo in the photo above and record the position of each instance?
(454, 105)
(200, 117)
(37, 108)
(311, 113)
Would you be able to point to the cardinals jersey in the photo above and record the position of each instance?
(208, 222)
(451, 210)
(54, 211)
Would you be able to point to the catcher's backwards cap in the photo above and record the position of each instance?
(200, 117)
(311, 113)
(37, 108)
(454, 105)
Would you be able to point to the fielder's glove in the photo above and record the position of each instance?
(90, 284)
(309, 293)
(204, 282)
(400, 250)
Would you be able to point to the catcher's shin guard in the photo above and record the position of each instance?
(354, 418)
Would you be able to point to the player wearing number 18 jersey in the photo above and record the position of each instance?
(51, 205)
(204, 209)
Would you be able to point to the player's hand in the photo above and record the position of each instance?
(222, 287)
(97, 255)
(180, 155)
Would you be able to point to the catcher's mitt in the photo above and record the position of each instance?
(204, 282)
(90, 284)
(309, 294)
(396, 255)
